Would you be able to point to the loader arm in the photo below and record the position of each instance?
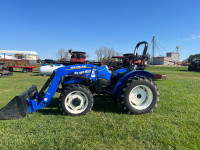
(53, 82)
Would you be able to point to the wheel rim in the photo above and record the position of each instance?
(24, 70)
(141, 97)
(76, 102)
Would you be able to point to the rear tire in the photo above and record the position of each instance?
(139, 95)
(76, 100)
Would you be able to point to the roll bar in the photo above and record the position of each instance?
(144, 51)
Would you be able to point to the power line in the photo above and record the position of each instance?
(161, 46)
(158, 49)
(149, 48)
(174, 50)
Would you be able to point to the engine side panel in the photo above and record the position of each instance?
(104, 73)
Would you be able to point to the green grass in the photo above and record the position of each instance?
(174, 124)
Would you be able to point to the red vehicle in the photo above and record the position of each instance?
(78, 57)
(27, 60)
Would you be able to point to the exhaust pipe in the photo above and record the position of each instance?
(18, 107)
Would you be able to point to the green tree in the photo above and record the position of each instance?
(193, 57)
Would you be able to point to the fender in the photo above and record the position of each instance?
(128, 75)
(123, 70)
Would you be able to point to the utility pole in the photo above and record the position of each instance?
(153, 48)
(177, 50)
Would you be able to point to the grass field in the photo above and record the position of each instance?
(174, 124)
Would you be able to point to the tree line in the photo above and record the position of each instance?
(103, 54)
(63, 54)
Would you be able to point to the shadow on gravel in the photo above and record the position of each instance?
(101, 104)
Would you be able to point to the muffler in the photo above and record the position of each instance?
(18, 107)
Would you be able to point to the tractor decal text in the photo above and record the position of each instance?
(77, 67)
(82, 72)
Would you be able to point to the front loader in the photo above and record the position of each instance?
(133, 88)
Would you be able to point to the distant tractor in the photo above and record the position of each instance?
(194, 66)
(76, 57)
(4, 71)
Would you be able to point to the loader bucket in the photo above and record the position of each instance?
(18, 106)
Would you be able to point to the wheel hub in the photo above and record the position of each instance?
(76, 102)
(140, 97)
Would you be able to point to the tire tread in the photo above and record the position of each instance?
(75, 86)
(131, 81)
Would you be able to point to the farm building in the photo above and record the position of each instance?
(171, 58)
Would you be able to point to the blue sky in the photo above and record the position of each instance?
(86, 25)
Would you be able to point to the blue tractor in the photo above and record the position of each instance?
(132, 87)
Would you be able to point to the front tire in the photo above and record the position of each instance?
(139, 95)
(76, 100)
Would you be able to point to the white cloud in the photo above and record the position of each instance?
(194, 37)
